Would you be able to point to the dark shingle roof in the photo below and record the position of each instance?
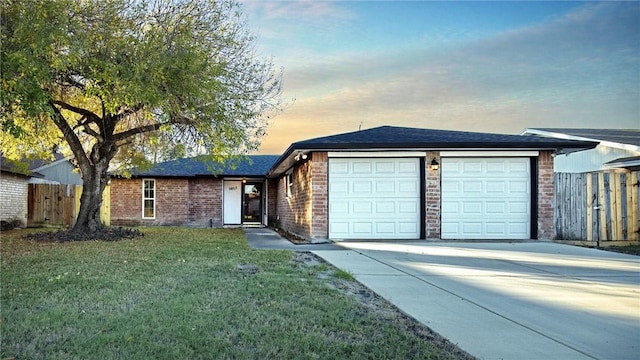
(405, 138)
(622, 136)
(252, 165)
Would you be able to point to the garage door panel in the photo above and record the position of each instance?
(384, 167)
(362, 168)
(338, 168)
(485, 198)
(472, 187)
(472, 167)
(338, 187)
(385, 228)
(495, 208)
(362, 207)
(362, 187)
(338, 207)
(382, 204)
(385, 186)
(408, 167)
(409, 207)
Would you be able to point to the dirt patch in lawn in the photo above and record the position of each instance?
(631, 249)
(375, 303)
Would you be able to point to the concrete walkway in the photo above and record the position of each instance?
(527, 300)
(267, 239)
(500, 300)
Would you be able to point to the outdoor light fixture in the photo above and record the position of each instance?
(300, 156)
(434, 164)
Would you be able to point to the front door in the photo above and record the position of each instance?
(252, 203)
(232, 202)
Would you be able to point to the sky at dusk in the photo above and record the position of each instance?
(472, 66)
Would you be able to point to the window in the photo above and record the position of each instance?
(148, 199)
(289, 183)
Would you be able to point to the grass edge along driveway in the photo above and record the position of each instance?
(187, 293)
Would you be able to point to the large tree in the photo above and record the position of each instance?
(129, 78)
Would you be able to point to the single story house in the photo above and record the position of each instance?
(194, 191)
(617, 149)
(381, 183)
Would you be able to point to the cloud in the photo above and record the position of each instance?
(578, 69)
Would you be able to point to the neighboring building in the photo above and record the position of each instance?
(617, 149)
(58, 171)
(14, 180)
(15, 177)
(381, 183)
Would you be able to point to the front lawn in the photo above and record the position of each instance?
(180, 293)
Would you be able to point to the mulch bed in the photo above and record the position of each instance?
(104, 234)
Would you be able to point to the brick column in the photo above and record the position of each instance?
(545, 196)
(319, 195)
(432, 211)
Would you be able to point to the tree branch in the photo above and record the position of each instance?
(71, 137)
(84, 112)
(129, 111)
(139, 130)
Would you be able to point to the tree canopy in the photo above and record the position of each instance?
(130, 79)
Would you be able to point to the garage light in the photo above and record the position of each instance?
(434, 165)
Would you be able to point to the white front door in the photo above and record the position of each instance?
(374, 198)
(232, 199)
(486, 198)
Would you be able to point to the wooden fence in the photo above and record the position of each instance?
(58, 205)
(597, 207)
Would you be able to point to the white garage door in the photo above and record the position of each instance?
(374, 198)
(486, 198)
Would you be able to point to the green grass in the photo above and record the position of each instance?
(181, 293)
(344, 275)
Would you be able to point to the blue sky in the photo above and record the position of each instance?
(473, 66)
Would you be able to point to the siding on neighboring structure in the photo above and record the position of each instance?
(590, 160)
(62, 172)
(13, 197)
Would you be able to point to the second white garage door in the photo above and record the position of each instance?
(486, 198)
(374, 198)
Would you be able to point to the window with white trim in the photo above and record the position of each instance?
(148, 199)
(289, 183)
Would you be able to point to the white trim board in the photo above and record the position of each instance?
(375, 154)
(489, 153)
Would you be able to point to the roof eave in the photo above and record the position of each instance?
(285, 161)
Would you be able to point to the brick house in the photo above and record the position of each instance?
(195, 192)
(14, 191)
(380, 183)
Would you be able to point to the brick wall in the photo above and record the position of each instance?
(293, 211)
(273, 192)
(432, 201)
(319, 195)
(545, 195)
(13, 197)
(171, 202)
(205, 202)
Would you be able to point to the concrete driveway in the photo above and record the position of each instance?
(499, 300)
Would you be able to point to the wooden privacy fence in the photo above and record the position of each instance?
(597, 207)
(54, 204)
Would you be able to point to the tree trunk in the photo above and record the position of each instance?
(95, 180)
